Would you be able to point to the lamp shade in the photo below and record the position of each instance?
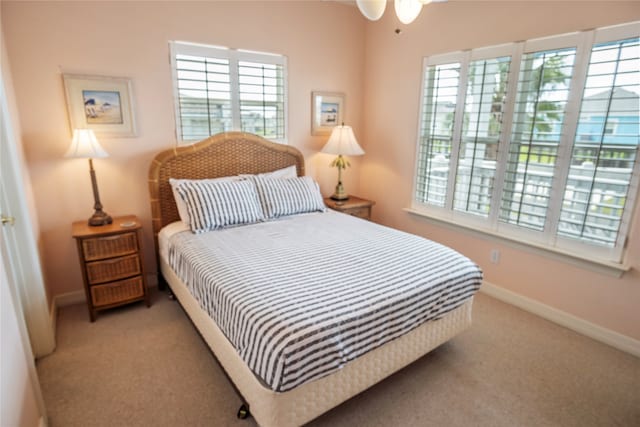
(84, 145)
(343, 141)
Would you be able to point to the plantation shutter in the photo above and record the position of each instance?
(481, 130)
(439, 99)
(538, 118)
(204, 95)
(262, 94)
(605, 147)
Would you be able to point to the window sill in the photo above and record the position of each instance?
(604, 267)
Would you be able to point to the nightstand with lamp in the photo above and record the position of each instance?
(343, 143)
(110, 249)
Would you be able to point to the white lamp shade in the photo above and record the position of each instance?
(372, 9)
(343, 141)
(84, 145)
(407, 10)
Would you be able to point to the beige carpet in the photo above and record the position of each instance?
(148, 367)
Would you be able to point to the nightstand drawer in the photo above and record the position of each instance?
(117, 292)
(364, 213)
(109, 246)
(113, 269)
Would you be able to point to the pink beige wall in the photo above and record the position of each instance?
(323, 41)
(393, 67)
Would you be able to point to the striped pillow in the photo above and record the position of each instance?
(214, 205)
(280, 197)
(183, 213)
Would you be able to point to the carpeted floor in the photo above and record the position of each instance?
(148, 367)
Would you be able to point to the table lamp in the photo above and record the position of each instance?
(84, 145)
(342, 142)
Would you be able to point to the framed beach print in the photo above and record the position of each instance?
(327, 111)
(103, 104)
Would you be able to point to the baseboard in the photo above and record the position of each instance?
(69, 298)
(584, 327)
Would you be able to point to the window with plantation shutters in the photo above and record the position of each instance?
(219, 89)
(535, 141)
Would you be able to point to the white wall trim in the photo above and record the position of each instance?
(584, 327)
(53, 317)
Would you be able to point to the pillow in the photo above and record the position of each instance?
(280, 197)
(284, 173)
(181, 205)
(214, 205)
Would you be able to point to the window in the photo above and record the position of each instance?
(537, 140)
(219, 90)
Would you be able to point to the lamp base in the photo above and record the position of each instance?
(99, 218)
(338, 197)
(340, 194)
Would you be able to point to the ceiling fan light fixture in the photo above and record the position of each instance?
(372, 9)
(407, 10)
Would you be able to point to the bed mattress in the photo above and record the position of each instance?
(301, 297)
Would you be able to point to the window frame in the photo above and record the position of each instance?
(234, 56)
(548, 238)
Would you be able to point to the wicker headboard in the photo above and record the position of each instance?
(224, 154)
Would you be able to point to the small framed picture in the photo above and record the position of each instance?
(327, 111)
(103, 104)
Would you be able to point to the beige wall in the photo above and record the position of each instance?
(392, 91)
(324, 43)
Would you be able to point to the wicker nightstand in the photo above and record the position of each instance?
(111, 263)
(354, 206)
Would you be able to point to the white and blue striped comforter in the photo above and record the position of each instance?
(302, 296)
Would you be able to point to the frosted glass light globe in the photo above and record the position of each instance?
(372, 9)
(407, 10)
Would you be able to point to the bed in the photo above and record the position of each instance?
(294, 379)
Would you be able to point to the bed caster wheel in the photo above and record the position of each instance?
(243, 412)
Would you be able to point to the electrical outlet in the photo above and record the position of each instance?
(495, 256)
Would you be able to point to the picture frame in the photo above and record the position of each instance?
(327, 111)
(103, 104)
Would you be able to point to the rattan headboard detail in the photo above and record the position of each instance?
(224, 154)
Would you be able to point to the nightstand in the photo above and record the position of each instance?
(111, 263)
(354, 206)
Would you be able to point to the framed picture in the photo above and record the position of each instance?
(103, 104)
(327, 111)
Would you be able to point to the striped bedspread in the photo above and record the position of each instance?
(301, 296)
